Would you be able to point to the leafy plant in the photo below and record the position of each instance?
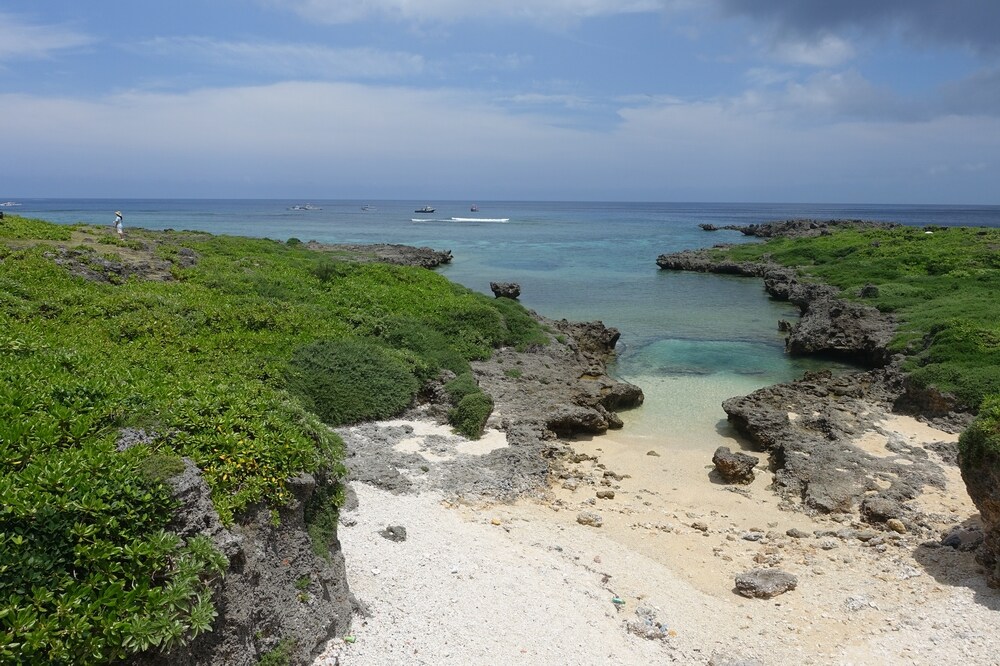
(231, 363)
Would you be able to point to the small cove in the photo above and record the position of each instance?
(689, 340)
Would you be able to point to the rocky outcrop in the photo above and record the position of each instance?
(812, 427)
(505, 289)
(276, 589)
(980, 465)
(765, 583)
(387, 253)
(562, 387)
(807, 426)
(797, 228)
(828, 324)
(734, 467)
(540, 393)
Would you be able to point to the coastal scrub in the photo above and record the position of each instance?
(942, 285)
(117, 359)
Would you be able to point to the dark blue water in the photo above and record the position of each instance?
(690, 340)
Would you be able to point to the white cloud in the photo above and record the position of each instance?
(293, 60)
(825, 51)
(542, 99)
(341, 139)
(348, 11)
(27, 41)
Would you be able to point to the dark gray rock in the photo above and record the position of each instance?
(734, 467)
(505, 289)
(868, 291)
(881, 509)
(815, 463)
(260, 600)
(395, 533)
(765, 583)
(982, 479)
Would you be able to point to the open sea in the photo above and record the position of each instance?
(689, 340)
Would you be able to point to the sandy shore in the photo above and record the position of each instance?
(525, 583)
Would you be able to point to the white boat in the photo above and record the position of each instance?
(304, 207)
(8, 204)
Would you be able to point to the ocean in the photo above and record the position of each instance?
(689, 340)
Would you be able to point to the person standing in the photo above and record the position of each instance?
(118, 224)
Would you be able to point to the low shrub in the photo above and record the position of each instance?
(982, 438)
(347, 381)
(470, 414)
(461, 386)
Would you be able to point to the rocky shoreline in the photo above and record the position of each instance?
(540, 394)
(280, 594)
(811, 429)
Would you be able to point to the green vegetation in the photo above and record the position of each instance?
(981, 440)
(281, 655)
(236, 362)
(943, 287)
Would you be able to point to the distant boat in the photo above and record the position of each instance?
(425, 209)
(304, 207)
(367, 207)
(474, 208)
(8, 204)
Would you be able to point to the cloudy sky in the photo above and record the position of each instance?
(854, 101)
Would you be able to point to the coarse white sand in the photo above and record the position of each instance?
(525, 583)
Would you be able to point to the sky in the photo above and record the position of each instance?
(853, 101)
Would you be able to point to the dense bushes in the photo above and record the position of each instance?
(347, 381)
(228, 364)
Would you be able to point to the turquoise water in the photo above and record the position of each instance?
(689, 340)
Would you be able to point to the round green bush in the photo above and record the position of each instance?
(469, 416)
(348, 381)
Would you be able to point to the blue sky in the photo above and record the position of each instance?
(855, 101)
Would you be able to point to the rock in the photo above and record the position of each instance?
(734, 467)
(647, 625)
(605, 494)
(765, 583)
(981, 474)
(505, 289)
(590, 518)
(653, 453)
(880, 510)
(896, 525)
(796, 533)
(963, 538)
(700, 526)
(571, 419)
(267, 559)
(394, 533)
(868, 291)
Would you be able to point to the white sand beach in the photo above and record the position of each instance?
(525, 583)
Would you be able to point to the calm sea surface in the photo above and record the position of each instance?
(689, 340)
